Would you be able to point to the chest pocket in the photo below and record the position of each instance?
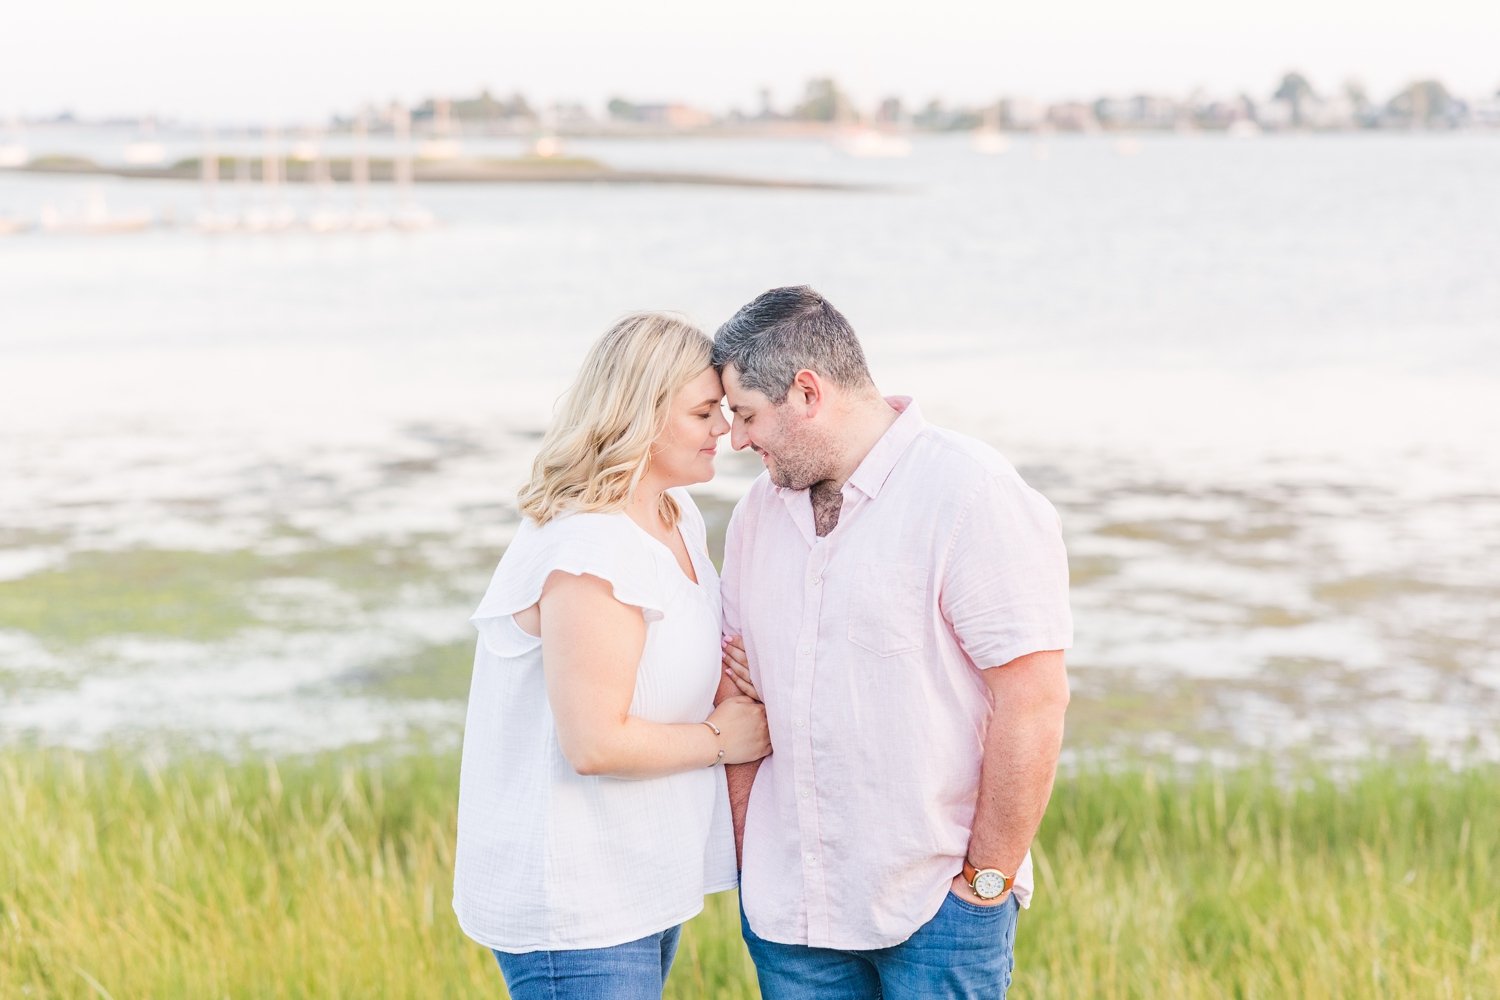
(888, 608)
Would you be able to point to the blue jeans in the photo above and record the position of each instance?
(965, 952)
(636, 970)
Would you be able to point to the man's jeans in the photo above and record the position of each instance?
(966, 952)
(636, 970)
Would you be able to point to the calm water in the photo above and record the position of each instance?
(1257, 378)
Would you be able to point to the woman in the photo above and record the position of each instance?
(592, 814)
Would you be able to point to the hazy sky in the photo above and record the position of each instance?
(301, 60)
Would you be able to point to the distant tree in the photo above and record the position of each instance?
(1363, 109)
(519, 107)
(821, 102)
(620, 109)
(1298, 95)
(483, 108)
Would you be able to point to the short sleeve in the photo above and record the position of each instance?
(1005, 583)
(602, 545)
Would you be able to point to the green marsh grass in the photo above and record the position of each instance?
(330, 877)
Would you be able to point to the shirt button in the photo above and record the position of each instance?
(804, 793)
(812, 859)
(800, 723)
(805, 650)
(816, 581)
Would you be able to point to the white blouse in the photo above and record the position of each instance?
(549, 859)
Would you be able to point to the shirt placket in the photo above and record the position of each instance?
(813, 863)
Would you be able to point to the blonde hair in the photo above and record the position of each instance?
(599, 445)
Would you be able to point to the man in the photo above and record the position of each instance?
(902, 597)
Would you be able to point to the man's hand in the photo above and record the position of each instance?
(961, 889)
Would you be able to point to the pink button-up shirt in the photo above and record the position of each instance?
(867, 646)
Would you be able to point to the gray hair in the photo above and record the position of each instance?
(785, 331)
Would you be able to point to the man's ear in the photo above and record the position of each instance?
(807, 391)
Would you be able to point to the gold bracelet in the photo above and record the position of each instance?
(715, 728)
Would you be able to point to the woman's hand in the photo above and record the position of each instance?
(744, 734)
(737, 667)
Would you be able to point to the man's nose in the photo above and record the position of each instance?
(738, 439)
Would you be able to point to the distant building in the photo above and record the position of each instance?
(889, 112)
(767, 111)
(1143, 111)
(1486, 112)
(1073, 116)
(1021, 113)
(672, 115)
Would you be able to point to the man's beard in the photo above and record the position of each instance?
(794, 480)
(801, 463)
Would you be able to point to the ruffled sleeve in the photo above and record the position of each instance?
(607, 546)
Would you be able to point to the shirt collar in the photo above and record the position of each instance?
(876, 468)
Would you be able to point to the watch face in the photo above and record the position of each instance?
(988, 884)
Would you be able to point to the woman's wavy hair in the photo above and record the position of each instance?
(599, 445)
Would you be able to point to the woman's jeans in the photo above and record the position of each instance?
(635, 970)
(965, 952)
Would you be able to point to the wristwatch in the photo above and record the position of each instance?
(987, 883)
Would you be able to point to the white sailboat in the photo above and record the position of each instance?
(1041, 147)
(407, 215)
(987, 138)
(443, 144)
(95, 219)
(13, 152)
(868, 142)
(365, 218)
(547, 146)
(210, 218)
(271, 215)
(244, 192)
(325, 216)
(144, 150)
